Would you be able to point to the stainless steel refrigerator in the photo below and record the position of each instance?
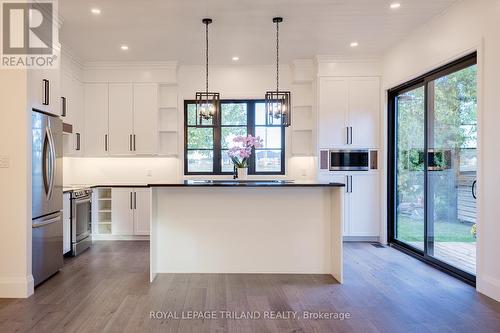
(47, 231)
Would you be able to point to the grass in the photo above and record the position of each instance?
(411, 230)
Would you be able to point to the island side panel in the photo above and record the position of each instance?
(337, 195)
(153, 232)
(243, 230)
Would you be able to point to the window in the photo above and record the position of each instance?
(205, 148)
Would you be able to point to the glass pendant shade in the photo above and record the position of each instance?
(207, 106)
(278, 108)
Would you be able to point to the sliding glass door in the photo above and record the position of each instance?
(433, 167)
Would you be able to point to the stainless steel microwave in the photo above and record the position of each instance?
(349, 160)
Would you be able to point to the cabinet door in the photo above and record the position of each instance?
(333, 108)
(145, 119)
(122, 211)
(44, 94)
(121, 119)
(142, 211)
(364, 111)
(96, 119)
(341, 177)
(364, 202)
(78, 117)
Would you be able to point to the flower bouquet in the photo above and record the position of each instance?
(241, 152)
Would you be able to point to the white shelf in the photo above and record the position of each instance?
(168, 144)
(302, 142)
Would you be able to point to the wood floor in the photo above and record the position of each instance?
(106, 289)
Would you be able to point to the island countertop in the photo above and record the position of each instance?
(245, 183)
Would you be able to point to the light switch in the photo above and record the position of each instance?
(4, 161)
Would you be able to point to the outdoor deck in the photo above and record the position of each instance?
(459, 254)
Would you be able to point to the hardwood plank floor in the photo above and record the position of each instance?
(106, 289)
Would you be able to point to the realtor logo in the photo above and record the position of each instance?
(27, 34)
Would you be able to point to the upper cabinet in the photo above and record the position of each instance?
(349, 112)
(72, 113)
(145, 118)
(44, 90)
(121, 119)
(96, 99)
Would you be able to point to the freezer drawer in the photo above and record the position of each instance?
(47, 237)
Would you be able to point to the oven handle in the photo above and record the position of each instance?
(82, 200)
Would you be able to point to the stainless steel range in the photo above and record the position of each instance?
(81, 220)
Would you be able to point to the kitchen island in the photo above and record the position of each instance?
(246, 227)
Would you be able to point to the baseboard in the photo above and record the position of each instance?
(117, 237)
(360, 239)
(17, 287)
(489, 286)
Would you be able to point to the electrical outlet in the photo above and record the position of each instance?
(4, 161)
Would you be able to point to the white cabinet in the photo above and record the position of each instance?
(142, 211)
(349, 112)
(121, 119)
(44, 90)
(145, 119)
(364, 112)
(361, 204)
(130, 211)
(72, 92)
(333, 110)
(96, 119)
(122, 213)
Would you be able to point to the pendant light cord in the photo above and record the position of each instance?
(206, 34)
(277, 57)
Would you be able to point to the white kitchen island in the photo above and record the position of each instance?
(246, 227)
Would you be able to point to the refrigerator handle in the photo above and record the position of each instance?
(52, 159)
(46, 222)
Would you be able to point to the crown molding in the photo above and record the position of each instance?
(103, 65)
(320, 59)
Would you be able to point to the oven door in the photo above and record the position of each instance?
(81, 219)
(349, 160)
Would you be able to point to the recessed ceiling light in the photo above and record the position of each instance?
(236, 58)
(395, 5)
(354, 44)
(95, 11)
(124, 47)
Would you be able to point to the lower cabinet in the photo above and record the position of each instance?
(130, 211)
(361, 204)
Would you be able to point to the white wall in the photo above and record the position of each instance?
(15, 183)
(470, 25)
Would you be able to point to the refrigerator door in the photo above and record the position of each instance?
(47, 237)
(46, 164)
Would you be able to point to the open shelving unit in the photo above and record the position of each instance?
(168, 129)
(102, 221)
(303, 118)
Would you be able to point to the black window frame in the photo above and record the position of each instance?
(217, 136)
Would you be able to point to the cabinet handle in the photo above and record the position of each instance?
(77, 141)
(131, 200)
(351, 183)
(130, 142)
(46, 93)
(134, 143)
(347, 184)
(105, 142)
(135, 200)
(351, 136)
(63, 100)
(347, 135)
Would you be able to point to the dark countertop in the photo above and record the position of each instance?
(246, 183)
(213, 183)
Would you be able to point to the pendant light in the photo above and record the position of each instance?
(278, 108)
(207, 103)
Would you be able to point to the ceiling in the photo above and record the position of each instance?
(171, 30)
